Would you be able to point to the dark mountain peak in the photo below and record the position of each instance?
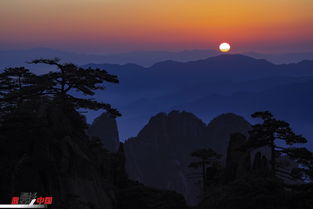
(174, 123)
(223, 66)
(182, 114)
(221, 127)
(165, 63)
(237, 58)
(104, 117)
(105, 128)
(132, 65)
(165, 144)
(233, 56)
(303, 63)
(228, 118)
(175, 114)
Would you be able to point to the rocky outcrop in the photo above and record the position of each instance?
(105, 128)
(238, 160)
(160, 154)
(220, 129)
(48, 152)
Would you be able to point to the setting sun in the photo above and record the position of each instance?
(224, 47)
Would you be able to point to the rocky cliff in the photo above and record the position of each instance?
(220, 129)
(238, 161)
(160, 154)
(47, 151)
(105, 128)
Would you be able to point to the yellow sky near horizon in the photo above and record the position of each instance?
(138, 22)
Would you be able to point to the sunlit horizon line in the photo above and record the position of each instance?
(96, 52)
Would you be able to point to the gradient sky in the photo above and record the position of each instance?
(103, 26)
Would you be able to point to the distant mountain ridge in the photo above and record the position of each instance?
(224, 83)
(212, 69)
(144, 58)
(220, 61)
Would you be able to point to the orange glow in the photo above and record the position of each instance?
(142, 23)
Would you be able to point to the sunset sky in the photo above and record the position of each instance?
(105, 26)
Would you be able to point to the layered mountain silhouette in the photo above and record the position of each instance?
(208, 87)
(236, 67)
(44, 145)
(144, 58)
